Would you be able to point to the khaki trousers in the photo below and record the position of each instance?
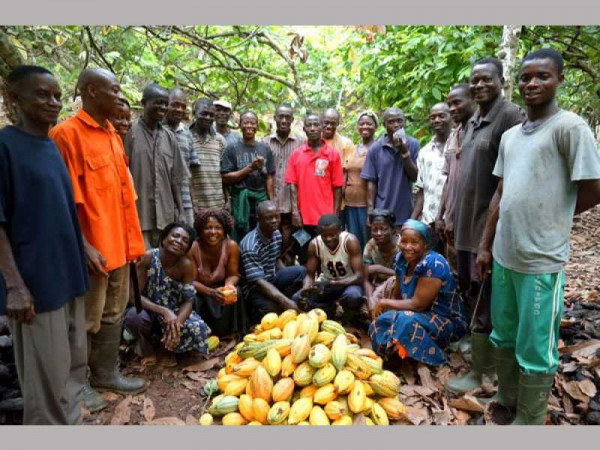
(107, 298)
(51, 361)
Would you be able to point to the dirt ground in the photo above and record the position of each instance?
(174, 394)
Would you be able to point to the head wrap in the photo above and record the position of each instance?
(419, 227)
(371, 115)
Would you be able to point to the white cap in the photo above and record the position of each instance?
(223, 103)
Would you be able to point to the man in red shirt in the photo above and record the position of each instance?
(316, 178)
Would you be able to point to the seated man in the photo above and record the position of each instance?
(266, 283)
(337, 254)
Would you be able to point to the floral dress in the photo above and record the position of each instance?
(164, 291)
(422, 336)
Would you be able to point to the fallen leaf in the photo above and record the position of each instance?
(570, 367)
(444, 374)
(584, 349)
(191, 386)
(425, 376)
(572, 388)
(232, 343)
(456, 361)
(406, 370)
(467, 403)
(410, 401)
(409, 390)
(587, 387)
(166, 421)
(138, 400)
(122, 412)
(359, 419)
(110, 396)
(416, 415)
(149, 410)
(441, 417)
(191, 420)
(462, 417)
(203, 366)
(196, 376)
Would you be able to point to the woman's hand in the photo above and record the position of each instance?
(382, 306)
(217, 296)
(172, 329)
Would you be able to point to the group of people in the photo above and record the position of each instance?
(220, 228)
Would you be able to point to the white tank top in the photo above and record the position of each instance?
(335, 265)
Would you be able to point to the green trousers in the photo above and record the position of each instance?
(526, 314)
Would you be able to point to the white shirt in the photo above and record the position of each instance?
(431, 179)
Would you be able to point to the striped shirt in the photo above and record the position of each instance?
(259, 256)
(282, 152)
(184, 139)
(207, 186)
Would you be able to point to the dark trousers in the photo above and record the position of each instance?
(350, 298)
(471, 287)
(302, 252)
(288, 280)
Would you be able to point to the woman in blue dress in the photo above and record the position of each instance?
(425, 312)
(166, 278)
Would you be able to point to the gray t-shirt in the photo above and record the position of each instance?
(540, 168)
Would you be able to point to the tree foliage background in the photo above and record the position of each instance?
(257, 67)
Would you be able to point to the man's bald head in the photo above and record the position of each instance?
(441, 106)
(93, 76)
(265, 207)
(393, 111)
(331, 113)
(100, 92)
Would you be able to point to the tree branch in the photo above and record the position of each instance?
(98, 51)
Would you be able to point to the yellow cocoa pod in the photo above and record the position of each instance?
(212, 343)
(335, 410)
(288, 366)
(300, 318)
(344, 381)
(258, 329)
(317, 314)
(308, 391)
(367, 352)
(352, 339)
(286, 317)
(358, 367)
(386, 385)
(269, 321)
(206, 419)
(333, 327)
(233, 419)
(318, 416)
(303, 374)
(245, 407)
(290, 331)
(368, 389)
(325, 394)
(283, 347)
(357, 397)
(326, 338)
(339, 352)
(376, 365)
(319, 356)
(273, 333)
(262, 384)
(254, 423)
(224, 381)
(246, 367)
(310, 327)
(324, 376)
(369, 421)
(249, 389)
(236, 387)
(303, 423)
(232, 360)
(278, 413)
(260, 410)
(346, 420)
(369, 402)
(300, 410)
(343, 400)
(394, 408)
(249, 338)
(300, 348)
(272, 362)
(379, 415)
(283, 390)
(221, 373)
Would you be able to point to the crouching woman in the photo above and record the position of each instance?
(166, 278)
(425, 312)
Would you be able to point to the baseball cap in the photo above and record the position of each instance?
(223, 103)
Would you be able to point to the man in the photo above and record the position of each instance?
(42, 255)
(175, 114)
(207, 185)
(316, 178)
(549, 169)
(462, 108)
(156, 165)
(390, 168)
(331, 122)
(337, 256)
(430, 164)
(476, 186)
(223, 112)
(247, 166)
(266, 284)
(282, 143)
(105, 199)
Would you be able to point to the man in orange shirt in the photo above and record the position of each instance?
(105, 199)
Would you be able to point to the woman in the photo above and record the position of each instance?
(425, 312)
(355, 188)
(380, 252)
(166, 277)
(122, 119)
(217, 259)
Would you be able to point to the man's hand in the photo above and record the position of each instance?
(296, 219)
(182, 216)
(258, 163)
(440, 226)
(483, 264)
(95, 261)
(19, 304)
(401, 147)
(290, 304)
(449, 232)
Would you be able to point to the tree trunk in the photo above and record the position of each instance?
(508, 55)
(9, 55)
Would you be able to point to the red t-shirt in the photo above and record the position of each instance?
(315, 177)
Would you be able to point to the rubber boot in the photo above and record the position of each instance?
(92, 401)
(103, 362)
(483, 363)
(532, 402)
(501, 408)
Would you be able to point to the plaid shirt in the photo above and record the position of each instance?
(184, 139)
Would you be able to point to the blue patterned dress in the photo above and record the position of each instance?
(164, 291)
(422, 336)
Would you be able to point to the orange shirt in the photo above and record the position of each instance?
(102, 187)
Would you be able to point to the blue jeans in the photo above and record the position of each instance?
(355, 219)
